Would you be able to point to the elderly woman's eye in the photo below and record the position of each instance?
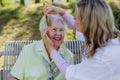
(61, 30)
(54, 29)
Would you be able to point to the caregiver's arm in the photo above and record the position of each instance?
(69, 20)
(59, 61)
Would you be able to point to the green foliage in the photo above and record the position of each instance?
(5, 3)
(116, 12)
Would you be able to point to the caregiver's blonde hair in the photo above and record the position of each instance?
(98, 23)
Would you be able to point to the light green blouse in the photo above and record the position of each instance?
(33, 62)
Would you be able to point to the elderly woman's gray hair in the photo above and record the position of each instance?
(43, 24)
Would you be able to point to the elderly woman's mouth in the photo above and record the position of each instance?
(57, 38)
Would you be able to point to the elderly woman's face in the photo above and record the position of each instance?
(56, 33)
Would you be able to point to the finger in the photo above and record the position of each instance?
(46, 10)
(47, 2)
(45, 5)
(49, 9)
(43, 32)
(45, 36)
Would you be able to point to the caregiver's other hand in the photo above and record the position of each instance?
(47, 41)
(51, 9)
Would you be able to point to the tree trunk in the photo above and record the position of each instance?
(37, 1)
(26, 2)
(22, 2)
(52, 1)
(1, 3)
(67, 0)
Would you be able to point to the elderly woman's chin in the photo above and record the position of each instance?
(57, 42)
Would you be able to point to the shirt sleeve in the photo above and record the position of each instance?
(89, 69)
(19, 67)
(59, 61)
(69, 20)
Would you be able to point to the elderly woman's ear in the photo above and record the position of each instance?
(43, 33)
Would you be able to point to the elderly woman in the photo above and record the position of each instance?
(34, 62)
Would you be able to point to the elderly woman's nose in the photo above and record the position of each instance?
(59, 32)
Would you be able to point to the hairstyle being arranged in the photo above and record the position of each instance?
(98, 23)
(43, 23)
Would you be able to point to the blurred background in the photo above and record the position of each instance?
(19, 19)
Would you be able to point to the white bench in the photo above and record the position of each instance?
(13, 48)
